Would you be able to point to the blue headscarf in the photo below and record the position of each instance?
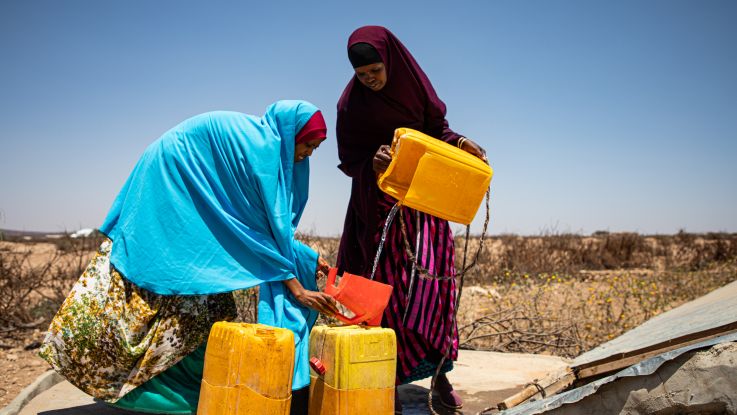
(212, 206)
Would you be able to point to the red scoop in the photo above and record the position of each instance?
(367, 299)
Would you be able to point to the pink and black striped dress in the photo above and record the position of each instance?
(421, 318)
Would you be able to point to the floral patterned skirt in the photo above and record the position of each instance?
(111, 336)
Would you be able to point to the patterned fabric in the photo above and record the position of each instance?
(111, 336)
(421, 318)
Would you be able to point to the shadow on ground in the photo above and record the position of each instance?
(414, 401)
(91, 409)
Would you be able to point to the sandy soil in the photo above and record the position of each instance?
(18, 348)
(20, 365)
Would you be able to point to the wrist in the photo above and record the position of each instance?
(295, 287)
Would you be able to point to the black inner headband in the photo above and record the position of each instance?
(362, 54)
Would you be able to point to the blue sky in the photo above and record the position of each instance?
(618, 116)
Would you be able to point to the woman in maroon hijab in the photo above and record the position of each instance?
(390, 90)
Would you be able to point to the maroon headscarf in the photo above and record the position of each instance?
(314, 129)
(367, 120)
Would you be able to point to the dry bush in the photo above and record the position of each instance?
(560, 294)
(571, 254)
(566, 315)
(246, 302)
(327, 247)
(565, 294)
(521, 327)
(35, 278)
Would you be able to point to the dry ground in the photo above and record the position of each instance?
(550, 294)
(20, 365)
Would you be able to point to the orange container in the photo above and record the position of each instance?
(248, 370)
(367, 299)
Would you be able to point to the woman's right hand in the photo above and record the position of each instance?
(472, 147)
(382, 158)
(317, 300)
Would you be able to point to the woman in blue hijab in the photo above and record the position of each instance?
(211, 207)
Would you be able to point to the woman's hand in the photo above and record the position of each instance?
(382, 158)
(322, 268)
(471, 147)
(313, 299)
(317, 300)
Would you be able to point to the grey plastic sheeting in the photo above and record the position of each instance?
(644, 368)
(716, 309)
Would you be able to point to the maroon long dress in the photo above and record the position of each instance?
(366, 120)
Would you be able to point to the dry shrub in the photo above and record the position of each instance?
(246, 302)
(571, 254)
(327, 247)
(560, 294)
(566, 314)
(565, 294)
(35, 278)
(511, 325)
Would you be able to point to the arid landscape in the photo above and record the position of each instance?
(559, 294)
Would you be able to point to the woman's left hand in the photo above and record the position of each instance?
(471, 147)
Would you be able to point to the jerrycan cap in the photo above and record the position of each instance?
(317, 366)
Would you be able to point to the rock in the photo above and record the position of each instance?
(32, 345)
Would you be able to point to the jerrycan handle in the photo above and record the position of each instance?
(330, 284)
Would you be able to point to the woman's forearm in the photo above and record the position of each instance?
(315, 300)
(294, 286)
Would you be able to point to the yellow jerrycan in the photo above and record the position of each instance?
(248, 370)
(435, 177)
(353, 370)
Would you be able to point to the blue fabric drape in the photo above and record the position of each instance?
(212, 206)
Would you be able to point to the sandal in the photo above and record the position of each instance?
(449, 398)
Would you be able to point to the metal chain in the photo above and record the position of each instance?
(453, 321)
(424, 273)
